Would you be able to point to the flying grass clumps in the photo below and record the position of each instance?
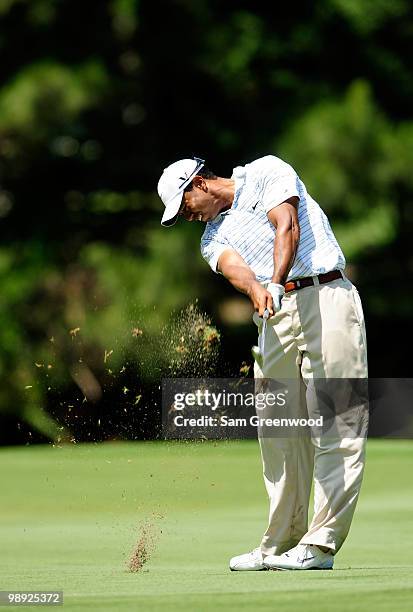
(144, 548)
(192, 344)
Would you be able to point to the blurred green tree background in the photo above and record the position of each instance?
(96, 98)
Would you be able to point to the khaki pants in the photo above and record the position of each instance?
(319, 333)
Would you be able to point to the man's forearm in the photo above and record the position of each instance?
(285, 248)
(240, 277)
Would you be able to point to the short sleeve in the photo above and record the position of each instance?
(279, 184)
(211, 250)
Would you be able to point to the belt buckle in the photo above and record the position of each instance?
(298, 283)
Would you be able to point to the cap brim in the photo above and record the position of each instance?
(170, 215)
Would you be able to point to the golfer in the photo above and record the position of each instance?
(274, 243)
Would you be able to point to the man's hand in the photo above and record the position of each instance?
(261, 298)
(277, 291)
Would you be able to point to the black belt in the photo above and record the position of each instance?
(307, 281)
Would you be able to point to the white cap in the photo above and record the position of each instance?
(175, 178)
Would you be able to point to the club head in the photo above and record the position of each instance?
(256, 353)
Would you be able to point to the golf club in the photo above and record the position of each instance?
(258, 351)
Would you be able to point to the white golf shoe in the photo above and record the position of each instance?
(249, 562)
(301, 557)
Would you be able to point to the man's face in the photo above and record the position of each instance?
(198, 204)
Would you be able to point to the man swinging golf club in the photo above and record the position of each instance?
(274, 243)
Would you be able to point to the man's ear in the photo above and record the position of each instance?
(199, 182)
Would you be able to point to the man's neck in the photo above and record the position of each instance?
(224, 191)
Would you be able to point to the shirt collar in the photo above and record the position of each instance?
(238, 175)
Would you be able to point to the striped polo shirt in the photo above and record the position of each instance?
(260, 186)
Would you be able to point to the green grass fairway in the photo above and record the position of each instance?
(70, 518)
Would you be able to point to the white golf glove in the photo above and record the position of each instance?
(277, 292)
